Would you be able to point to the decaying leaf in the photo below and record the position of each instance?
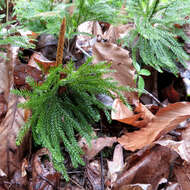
(19, 182)
(96, 146)
(22, 71)
(121, 62)
(10, 154)
(137, 187)
(44, 175)
(147, 167)
(166, 120)
(93, 171)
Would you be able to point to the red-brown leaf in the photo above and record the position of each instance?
(166, 120)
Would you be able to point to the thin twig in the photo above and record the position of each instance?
(152, 96)
(7, 11)
(49, 182)
(77, 184)
(83, 51)
(102, 165)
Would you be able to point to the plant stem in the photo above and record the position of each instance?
(7, 11)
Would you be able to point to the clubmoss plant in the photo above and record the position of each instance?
(154, 36)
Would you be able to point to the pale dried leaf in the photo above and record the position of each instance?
(116, 165)
(117, 32)
(96, 29)
(96, 146)
(2, 174)
(121, 62)
(10, 154)
(174, 186)
(166, 120)
(4, 77)
(6, 70)
(120, 110)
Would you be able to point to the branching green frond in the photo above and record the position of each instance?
(63, 107)
(8, 36)
(46, 16)
(154, 35)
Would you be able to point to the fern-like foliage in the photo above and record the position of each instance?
(46, 16)
(8, 36)
(154, 35)
(63, 106)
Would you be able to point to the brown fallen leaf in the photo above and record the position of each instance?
(96, 146)
(121, 62)
(10, 154)
(121, 113)
(42, 62)
(146, 167)
(166, 120)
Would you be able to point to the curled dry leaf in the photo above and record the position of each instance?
(43, 62)
(121, 112)
(181, 147)
(147, 167)
(121, 62)
(10, 154)
(96, 146)
(166, 120)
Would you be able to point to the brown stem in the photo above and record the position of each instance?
(59, 56)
